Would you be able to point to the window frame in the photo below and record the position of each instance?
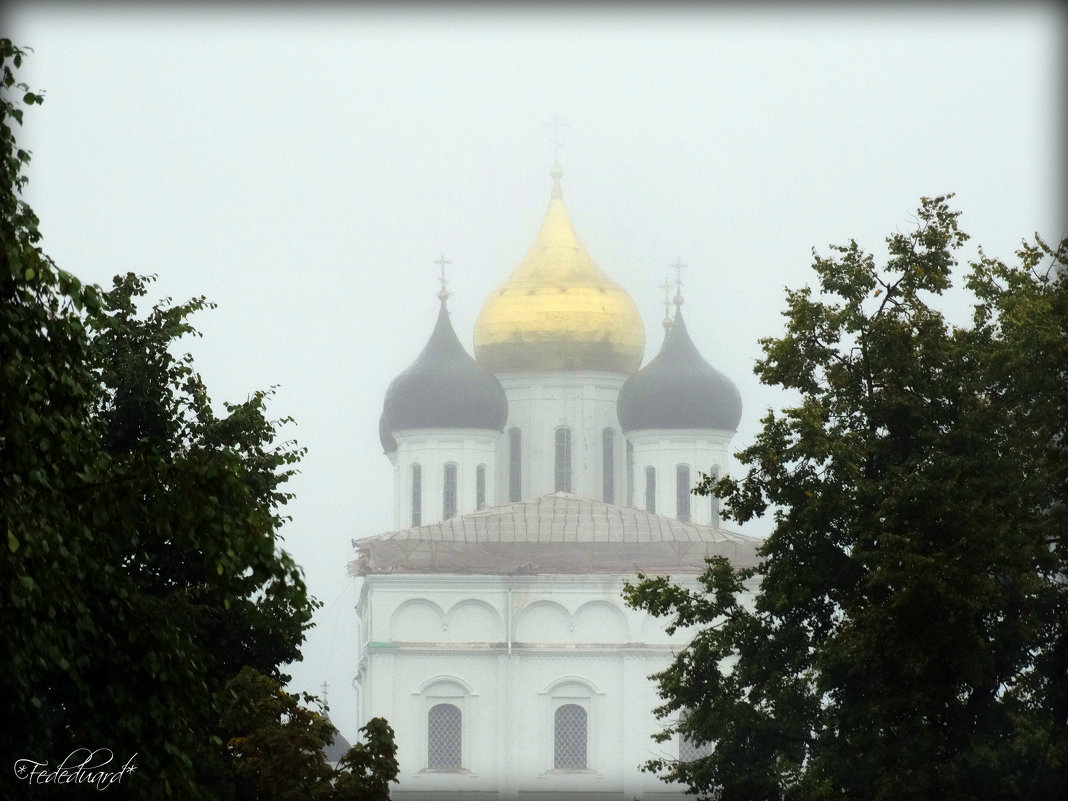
(446, 689)
(456, 748)
(608, 465)
(562, 460)
(650, 489)
(581, 692)
(713, 474)
(515, 464)
(450, 490)
(480, 487)
(415, 502)
(683, 496)
(557, 737)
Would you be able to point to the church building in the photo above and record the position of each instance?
(530, 481)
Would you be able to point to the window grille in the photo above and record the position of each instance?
(563, 460)
(417, 494)
(682, 492)
(480, 487)
(448, 501)
(650, 489)
(689, 751)
(444, 737)
(569, 738)
(608, 470)
(515, 454)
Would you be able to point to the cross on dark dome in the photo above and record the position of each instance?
(666, 286)
(677, 267)
(441, 261)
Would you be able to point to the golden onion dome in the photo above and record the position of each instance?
(557, 310)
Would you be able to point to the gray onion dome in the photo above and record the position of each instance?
(443, 388)
(389, 445)
(679, 389)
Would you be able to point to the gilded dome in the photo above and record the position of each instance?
(557, 310)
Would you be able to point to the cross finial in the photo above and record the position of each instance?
(441, 261)
(556, 123)
(677, 267)
(666, 286)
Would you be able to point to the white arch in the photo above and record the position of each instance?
(445, 678)
(554, 616)
(582, 681)
(454, 619)
(591, 625)
(435, 621)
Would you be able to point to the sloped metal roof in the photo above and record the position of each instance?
(556, 533)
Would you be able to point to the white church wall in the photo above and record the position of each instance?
(539, 404)
(508, 652)
(432, 449)
(664, 450)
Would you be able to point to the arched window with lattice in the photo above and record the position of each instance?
(690, 748)
(444, 736)
(570, 737)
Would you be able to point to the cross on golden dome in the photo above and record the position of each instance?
(556, 124)
(558, 310)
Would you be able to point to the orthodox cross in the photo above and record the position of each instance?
(677, 267)
(441, 261)
(666, 286)
(556, 124)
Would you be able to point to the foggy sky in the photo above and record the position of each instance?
(303, 170)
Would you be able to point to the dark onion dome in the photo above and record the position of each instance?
(389, 445)
(444, 388)
(679, 389)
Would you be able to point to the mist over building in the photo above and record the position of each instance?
(530, 481)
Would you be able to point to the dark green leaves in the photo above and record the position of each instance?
(908, 636)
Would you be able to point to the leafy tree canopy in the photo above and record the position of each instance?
(142, 573)
(277, 741)
(906, 636)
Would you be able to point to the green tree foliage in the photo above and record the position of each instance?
(906, 636)
(142, 568)
(277, 742)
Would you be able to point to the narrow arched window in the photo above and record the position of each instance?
(608, 465)
(713, 474)
(448, 496)
(444, 737)
(480, 487)
(569, 737)
(650, 489)
(682, 492)
(417, 494)
(630, 473)
(562, 481)
(515, 457)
